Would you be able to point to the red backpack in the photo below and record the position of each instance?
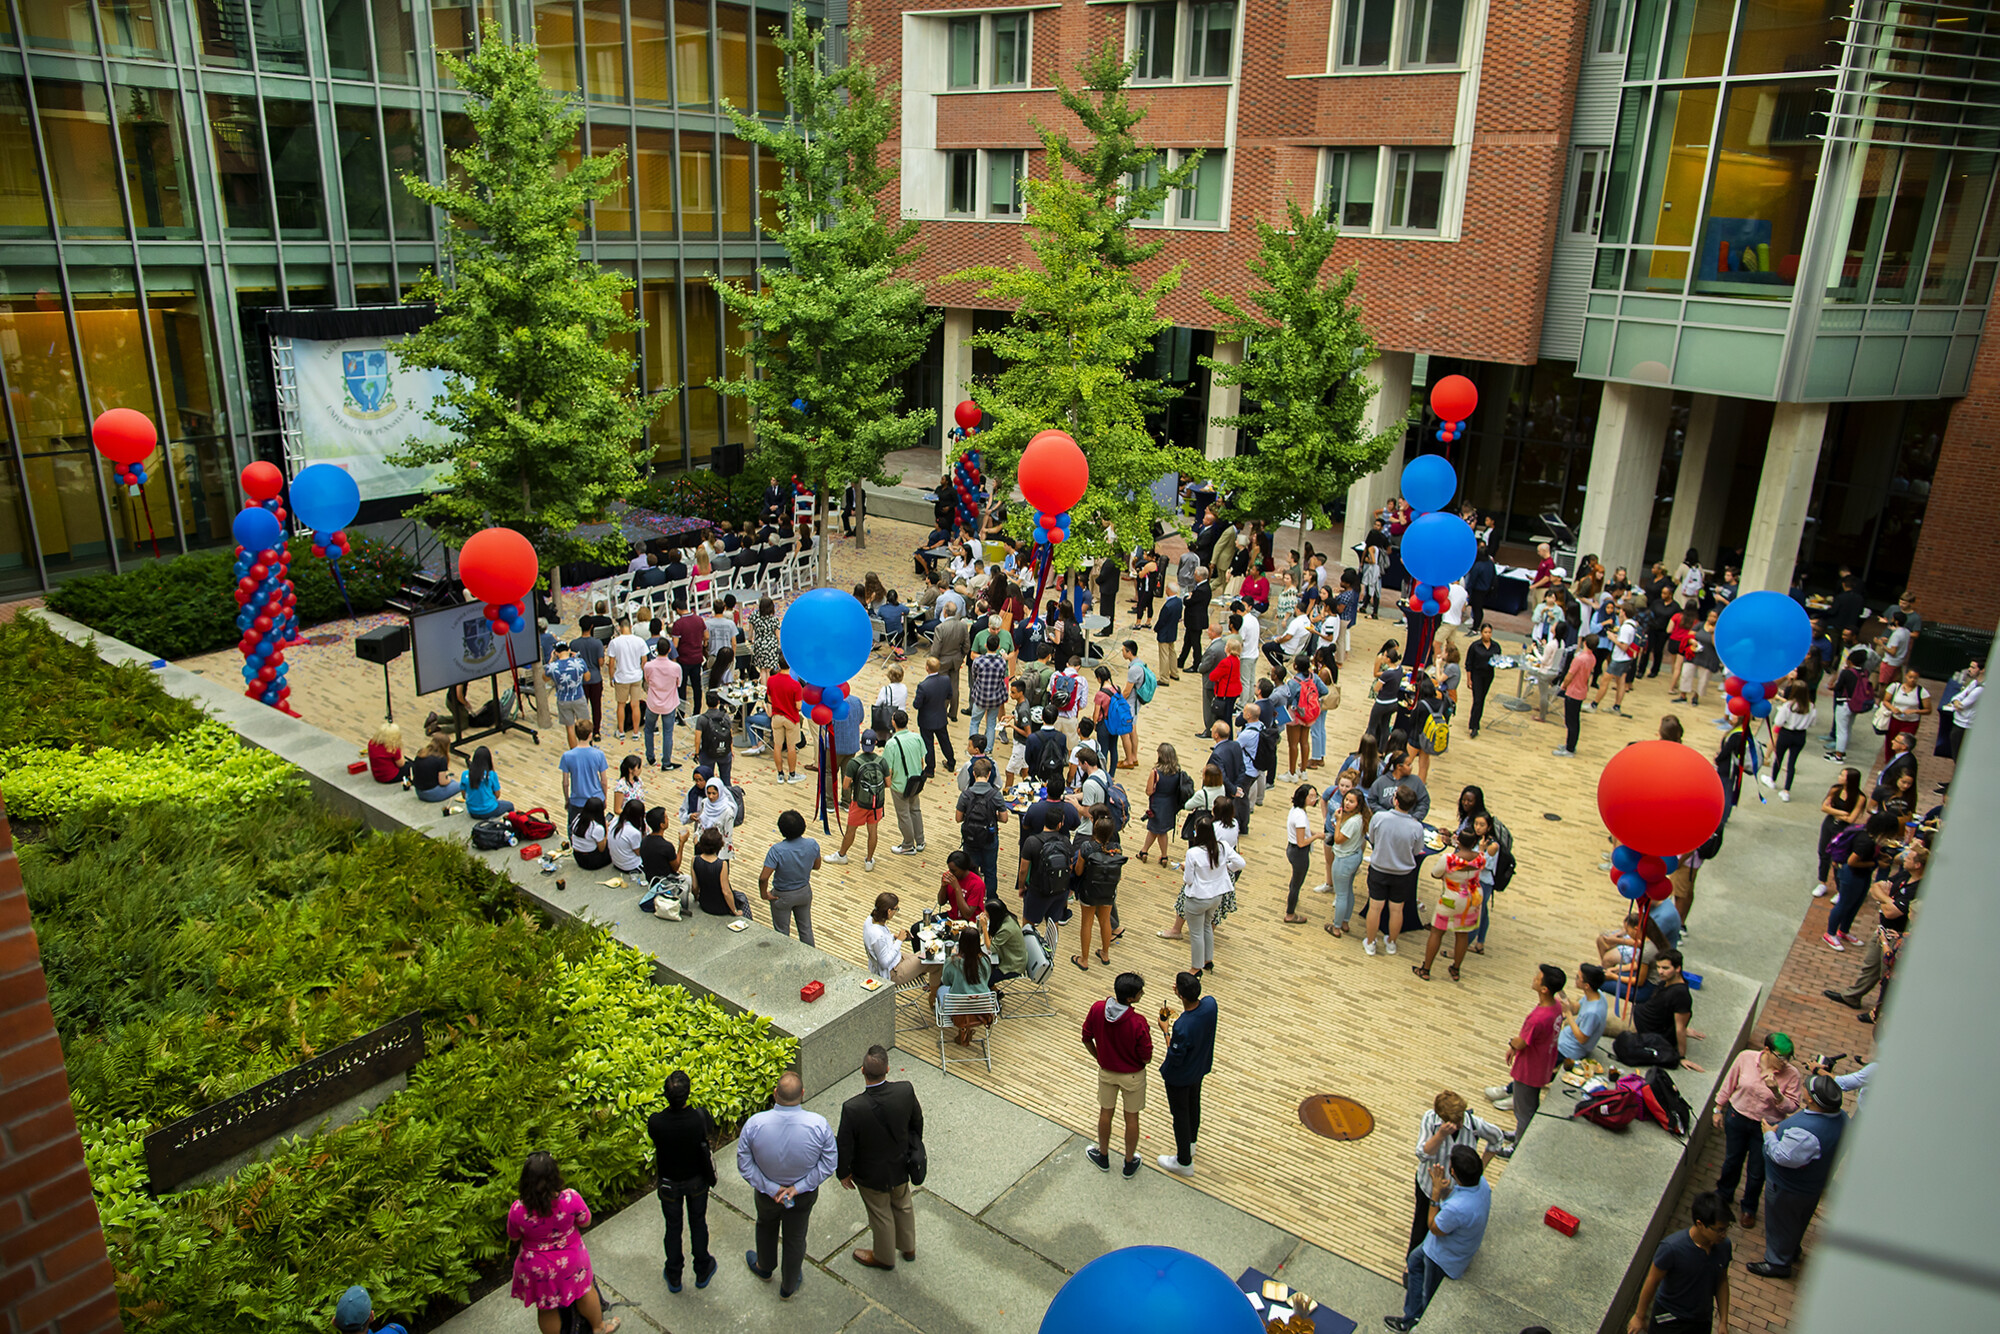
(1308, 710)
(1616, 1107)
(531, 824)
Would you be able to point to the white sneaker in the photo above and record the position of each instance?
(1819, 890)
(919, 847)
(868, 865)
(1590, 706)
(836, 859)
(1786, 795)
(1169, 1163)
(1767, 780)
(1503, 1105)
(1498, 1091)
(1322, 889)
(1563, 752)
(1392, 947)
(1369, 944)
(902, 851)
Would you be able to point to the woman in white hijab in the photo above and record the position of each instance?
(716, 810)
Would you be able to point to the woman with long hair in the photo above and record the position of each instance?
(873, 593)
(1428, 705)
(1206, 883)
(385, 755)
(1097, 887)
(1006, 939)
(552, 1268)
(1846, 803)
(1167, 787)
(482, 788)
(1388, 691)
(431, 770)
(965, 974)
(628, 831)
(1346, 839)
(1791, 724)
(587, 835)
(630, 784)
(887, 959)
(1299, 839)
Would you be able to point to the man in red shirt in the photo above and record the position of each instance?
(1532, 1056)
(1122, 1041)
(787, 727)
(1545, 569)
(690, 634)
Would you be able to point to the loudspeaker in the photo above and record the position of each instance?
(384, 645)
(727, 459)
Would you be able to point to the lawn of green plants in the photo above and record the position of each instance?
(205, 926)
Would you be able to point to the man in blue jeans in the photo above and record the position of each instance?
(1459, 1209)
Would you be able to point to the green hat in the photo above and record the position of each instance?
(1780, 1043)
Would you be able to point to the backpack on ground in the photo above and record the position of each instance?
(1117, 716)
(871, 782)
(1308, 709)
(1636, 1049)
(1052, 863)
(1616, 1107)
(1148, 683)
(489, 835)
(982, 814)
(1665, 1104)
(532, 824)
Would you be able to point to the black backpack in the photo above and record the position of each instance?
(1267, 748)
(982, 815)
(489, 835)
(1052, 863)
(1102, 867)
(717, 736)
(1052, 761)
(1680, 1116)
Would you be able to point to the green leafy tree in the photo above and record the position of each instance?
(1305, 400)
(540, 400)
(838, 322)
(1081, 323)
(1125, 177)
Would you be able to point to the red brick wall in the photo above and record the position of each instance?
(1480, 296)
(1960, 546)
(54, 1274)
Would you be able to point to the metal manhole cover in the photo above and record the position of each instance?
(1335, 1117)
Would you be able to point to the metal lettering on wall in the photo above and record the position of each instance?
(183, 1148)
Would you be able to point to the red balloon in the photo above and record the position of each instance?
(845, 690)
(262, 481)
(1770, 690)
(1660, 798)
(498, 565)
(1739, 707)
(1053, 473)
(1651, 869)
(1660, 890)
(318, 550)
(1732, 685)
(967, 414)
(499, 629)
(124, 436)
(1453, 399)
(822, 714)
(1056, 536)
(242, 597)
(262, 623)
(267, 673)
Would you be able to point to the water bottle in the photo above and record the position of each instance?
(512, 842)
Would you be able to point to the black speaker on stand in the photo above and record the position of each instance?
(727, 459)
(384, 646)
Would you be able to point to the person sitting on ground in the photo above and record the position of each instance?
(628, 831)
(1660, 1032)
(355, 1313)
(385, 755)
(587, 836)
(430, 771)
(713, 892)
(1582, 1023)
(482, 788)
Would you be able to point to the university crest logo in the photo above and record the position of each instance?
(369, 392)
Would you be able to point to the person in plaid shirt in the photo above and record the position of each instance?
(989, 690)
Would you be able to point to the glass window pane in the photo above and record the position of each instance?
(58, 25)
(76, 137)
(239, 165)
(962, 60)
(1765, 174)
(736, 206)
(1626, 146)
(732, 36)
(661, 310)
(1417, 189)
(361, 173)
(1213, 40)
(454, 30)
(692, 85)
(613, 213)
(149, 132)
(1003, 182)
(1366, 26)
(1154, 41)
(770, 179)
(604, 50)
(1697, 38)
(133, 27)
(651, 52)
(704, 321)
(196, 426)
(961, 182)
(395, 41)
(1958, 221)
(222, 35)
(1588, 192)
(295, 175)
(555, 43)
(1611, 15)
(23, 212)
(1903, 239)
(1149, 178)
(41, 377)
(1201, 201)
(1676, 166)
(735, 408)
(347, 23)
(1358, 207)
(770, 66)
(403, 137)
(1787, 36)
(114, 353)
(1010, 50)
(1434, 29)
(656, 182)
(697, 184)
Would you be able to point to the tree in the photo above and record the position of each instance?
(1080, 324)
(542, 404)
(1305, 400)
(835, 325)
(1114, 165)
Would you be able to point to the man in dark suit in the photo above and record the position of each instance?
(877, 1128)
(1194, 615)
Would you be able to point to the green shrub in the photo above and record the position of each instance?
(704, 493)
(187, 605)
(202, 767)
(54, 692)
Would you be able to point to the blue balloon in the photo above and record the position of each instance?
(1150, 1290)
(1438, 549)
(1672, 864)
(325, 497)
(1624, 858)
(846, 709)
(249, 673)
(1762, 636)
(1632, 886)
(798, 405)
(826, 636)
(256, 529)
(1760, 708)
(1429, 482)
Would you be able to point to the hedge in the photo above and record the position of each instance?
(187, 605)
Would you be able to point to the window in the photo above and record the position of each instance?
(1614, 26)
(1201, 197)
(1588, 175)
(1211, 40)
(962, 176)
(1366, 36)
(1004, 169)
(1153, 41)
(964, 61)
(1010, 50)
(1148, 179)
(1350, 186)
(1416, 189)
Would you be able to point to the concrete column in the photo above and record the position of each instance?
(1224, 400)
(1390, 374)
(1624, 471)
(1701, 492)
(957, 375)
(1779, 520)
(1480, 454)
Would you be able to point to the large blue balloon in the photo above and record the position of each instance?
(1429, 483)
(1438, 549)
(1150, 1290)
(256, 529)
(1762, 636)
(826, 636)
(325, 497)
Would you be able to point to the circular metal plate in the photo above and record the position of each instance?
(1335, 1117)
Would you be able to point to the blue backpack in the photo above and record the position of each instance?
(1117, 715)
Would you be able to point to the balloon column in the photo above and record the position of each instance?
(1438, 548)
(267, 606)
(967, 482)
(826, 637)
(128, 438)
(1661, 800)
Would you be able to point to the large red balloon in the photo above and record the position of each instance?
(1660, 797)
(1053, 472)
(1453, 398)
(967, 414)
(262, 481)
(498, 565)
(124, 436)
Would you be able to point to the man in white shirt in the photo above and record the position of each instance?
(1252, 635)
(626, 654)
(1454, 615)
(1298, 633)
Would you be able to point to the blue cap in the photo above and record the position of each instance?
(354, 1309)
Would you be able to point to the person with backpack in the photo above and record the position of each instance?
(905, 754)
(1853, 696)
(1048, 749)
(1627, 643)
(1168, 790)
(981, 812)
(716, 731)
(1140, 685)
(1065, 697)
(1533, 1052)
(1097, 867)
(1043, 880)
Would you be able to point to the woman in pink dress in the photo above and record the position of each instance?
(552, 1269)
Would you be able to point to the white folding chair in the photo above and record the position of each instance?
(913, 1005)
(704, 594)
(949, 1006)
(1028, 996)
